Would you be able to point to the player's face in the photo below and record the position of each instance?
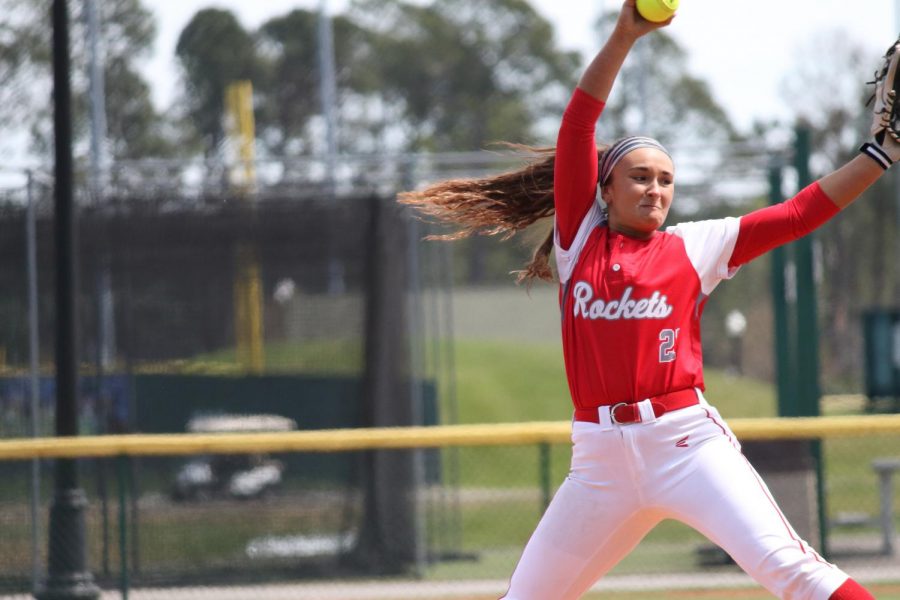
(640, 192)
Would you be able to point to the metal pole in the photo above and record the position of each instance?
(67, 572)
(122, 464)
(105, 321)
(449, 355)
(434, 286)
(807, 334)
(886, 514)
(417, 373)
(328, 88)
(97, 97)
(328, 99)
(784, 360)
(416, 382)
(544, 474)
(807, 322)
(34, 370)
(106, 333)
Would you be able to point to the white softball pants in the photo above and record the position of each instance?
(685, 465)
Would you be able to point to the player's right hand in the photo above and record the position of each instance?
(633, 25)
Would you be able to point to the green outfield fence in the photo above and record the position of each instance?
(308, 538)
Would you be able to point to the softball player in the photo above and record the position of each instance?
(646, 444)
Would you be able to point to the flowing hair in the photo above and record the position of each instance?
(501, 205)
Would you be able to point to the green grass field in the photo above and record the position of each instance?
(525, 381)
(508, 382)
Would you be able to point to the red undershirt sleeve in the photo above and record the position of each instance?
(575, 168)
(770, 227)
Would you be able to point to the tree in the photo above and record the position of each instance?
(23, 45)
(127, 31)
(214, 50)
(450, 75)
(466, 73)
(135, 129)
(289, 90)
(134, 126)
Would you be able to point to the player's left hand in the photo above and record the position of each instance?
(886, 112)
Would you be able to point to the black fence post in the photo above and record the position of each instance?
(67, 573)
(388, 538)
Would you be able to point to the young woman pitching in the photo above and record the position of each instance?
(647, 446)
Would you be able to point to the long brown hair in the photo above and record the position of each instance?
(501, 205)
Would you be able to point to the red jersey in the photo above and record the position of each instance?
(631, 308)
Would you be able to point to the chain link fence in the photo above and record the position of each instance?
(310, 536)
(316, 301)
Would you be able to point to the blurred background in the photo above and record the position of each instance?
(243, 266)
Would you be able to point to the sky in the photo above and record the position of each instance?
(743, 49)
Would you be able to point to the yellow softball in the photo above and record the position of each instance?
(657, 10)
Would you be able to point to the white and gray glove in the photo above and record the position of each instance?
(885, 145)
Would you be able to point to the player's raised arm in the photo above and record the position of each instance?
(575, 176)
(597, 80)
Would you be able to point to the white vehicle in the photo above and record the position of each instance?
(242, 476)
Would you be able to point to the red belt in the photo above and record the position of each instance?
(628, 412)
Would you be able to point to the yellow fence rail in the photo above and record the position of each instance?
(340, 440)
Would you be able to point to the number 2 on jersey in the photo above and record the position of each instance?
(667, 339)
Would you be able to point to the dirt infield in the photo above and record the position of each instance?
(678, 587)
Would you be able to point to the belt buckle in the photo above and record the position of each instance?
(612, 413)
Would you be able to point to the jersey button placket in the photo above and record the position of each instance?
(615, 273)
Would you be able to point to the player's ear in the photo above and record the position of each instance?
(606, 194)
